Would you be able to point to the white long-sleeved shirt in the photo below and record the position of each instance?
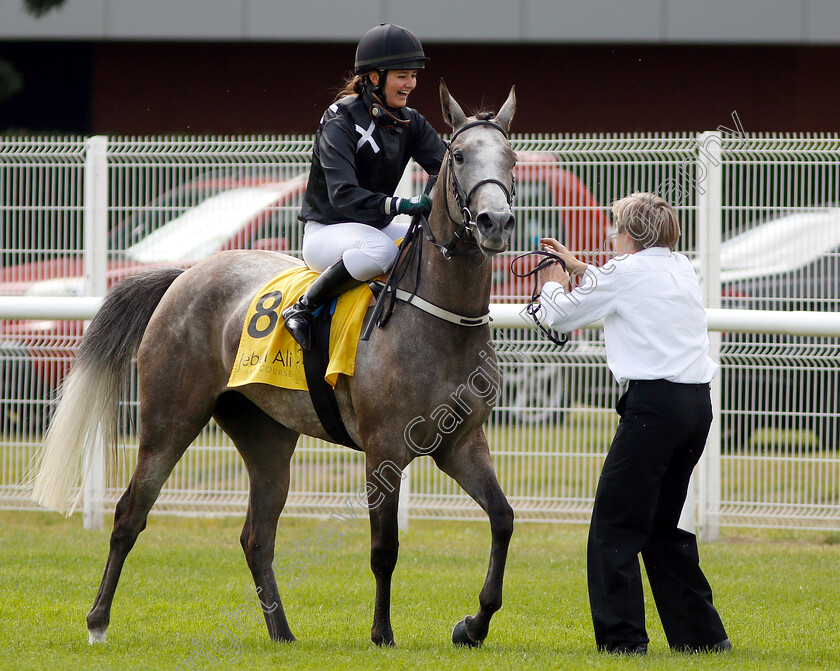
(654, 322)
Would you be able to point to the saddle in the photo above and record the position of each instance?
(268, 354)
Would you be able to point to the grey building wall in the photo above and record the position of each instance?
(471, 21)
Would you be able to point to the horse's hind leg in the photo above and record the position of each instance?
(162, 444)
(267, 448)
(472, 468)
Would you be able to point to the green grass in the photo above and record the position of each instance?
(778, 593)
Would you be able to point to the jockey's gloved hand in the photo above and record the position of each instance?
(411, 206)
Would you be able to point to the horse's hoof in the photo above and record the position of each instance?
(461, 637)
(384, 642)
(96, 636)
(285, 638)
(383, 639)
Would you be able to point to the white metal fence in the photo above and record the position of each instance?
(759, 218)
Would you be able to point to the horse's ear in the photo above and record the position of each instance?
(452, 112)
(505, 115)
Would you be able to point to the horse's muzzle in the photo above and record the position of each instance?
(494, 229)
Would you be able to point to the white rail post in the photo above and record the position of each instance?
(687, 519)
(709, 186)
(405, 189)
(96, 267)
(402, 505)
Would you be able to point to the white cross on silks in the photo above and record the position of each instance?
(367, 136)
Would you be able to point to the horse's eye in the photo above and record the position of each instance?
(458, 156)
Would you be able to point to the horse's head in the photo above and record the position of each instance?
(479, 172)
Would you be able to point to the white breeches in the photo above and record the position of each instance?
(367, 251)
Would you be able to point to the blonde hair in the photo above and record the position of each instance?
(648, 220)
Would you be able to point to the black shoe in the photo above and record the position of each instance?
(334, 281)
(721, 646)
(626, 649)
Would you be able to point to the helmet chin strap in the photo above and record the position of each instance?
(379, 112)
(379, 89)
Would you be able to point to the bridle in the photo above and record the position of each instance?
(388, 292)
(463, 198)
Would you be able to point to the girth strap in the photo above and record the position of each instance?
(315, 366)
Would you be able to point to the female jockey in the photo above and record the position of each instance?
(364, 142)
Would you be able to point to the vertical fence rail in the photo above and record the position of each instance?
(96, 284)
(773, 456)
(709, 190)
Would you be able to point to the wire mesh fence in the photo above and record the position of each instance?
(172, 201)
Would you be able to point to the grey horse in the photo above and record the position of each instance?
(184, 327)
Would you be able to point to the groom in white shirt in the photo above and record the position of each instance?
(657, 348)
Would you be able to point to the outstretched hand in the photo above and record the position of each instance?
(573, 265)
(556, 272)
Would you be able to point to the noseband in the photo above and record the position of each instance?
(463, 198)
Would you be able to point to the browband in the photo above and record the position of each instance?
(478, 122)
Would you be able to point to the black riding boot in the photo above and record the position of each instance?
(334, 281)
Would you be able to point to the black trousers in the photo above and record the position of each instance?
(640, 494)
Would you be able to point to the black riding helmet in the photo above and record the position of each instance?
(389, 47)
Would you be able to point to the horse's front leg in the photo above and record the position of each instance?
(472, 467)
(383, 493)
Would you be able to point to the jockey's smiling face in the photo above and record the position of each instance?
(398, 85)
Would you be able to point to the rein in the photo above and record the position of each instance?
(387, 292)
(383, 291)
(533, 306)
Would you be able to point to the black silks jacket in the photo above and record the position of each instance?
(357, 164)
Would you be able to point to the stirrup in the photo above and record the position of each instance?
(298, 321)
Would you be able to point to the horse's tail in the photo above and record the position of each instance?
(87, 413)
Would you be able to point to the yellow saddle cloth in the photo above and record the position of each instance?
(267, 352)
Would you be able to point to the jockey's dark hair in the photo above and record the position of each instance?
(353, 85)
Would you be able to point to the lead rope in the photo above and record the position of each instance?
(533, 307)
